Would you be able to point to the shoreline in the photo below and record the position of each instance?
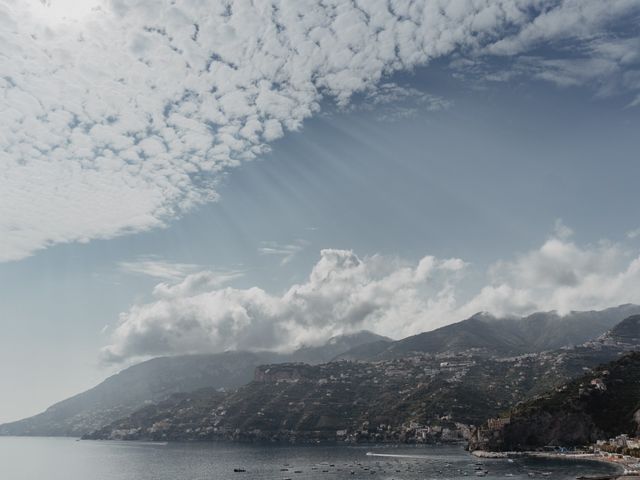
(628, 466)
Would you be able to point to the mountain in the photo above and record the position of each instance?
(476, 348)
(158, 378)
(422, 397)
(626, 332)
(130, 389)
(597, 406)
(336, 346)
(485, 333)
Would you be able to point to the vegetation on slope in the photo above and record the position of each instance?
(599, 405)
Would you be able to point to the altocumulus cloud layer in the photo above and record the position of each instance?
(123, 119)
(345, 293)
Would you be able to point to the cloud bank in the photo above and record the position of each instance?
(120, 117)
(345, 293)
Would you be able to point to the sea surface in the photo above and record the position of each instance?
(68, 459)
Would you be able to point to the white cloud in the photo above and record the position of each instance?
(633, 233)
(158, 268)
(561, 231)
(571, 19)
(286, 252)
(345, 293)
(196, 282)
(562, 276)
(120, 117)
(392, 102)
(608, 62)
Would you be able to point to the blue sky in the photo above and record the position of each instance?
(492, 173)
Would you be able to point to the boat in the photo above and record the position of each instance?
(601, 477)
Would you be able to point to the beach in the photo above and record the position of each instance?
(629, 466)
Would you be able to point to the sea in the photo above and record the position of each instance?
(40, 458)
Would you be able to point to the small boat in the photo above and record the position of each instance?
(239, 470)
(601, 477)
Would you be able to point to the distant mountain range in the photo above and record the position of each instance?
(393, 400)
(156, 379)
(483, 332)
(465, 372)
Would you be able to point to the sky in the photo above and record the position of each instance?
(197, 176)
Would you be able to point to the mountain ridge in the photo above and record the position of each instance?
(481, 335)
(152, 380)
(396, 400)
(537, 332)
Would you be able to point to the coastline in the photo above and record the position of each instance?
(628, 466)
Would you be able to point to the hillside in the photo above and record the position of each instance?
(599, 405)
(483, 342)
(626, 332)
(156, 379)
(336, 346)
(486, 333)
(425, 397)
(130, 389)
